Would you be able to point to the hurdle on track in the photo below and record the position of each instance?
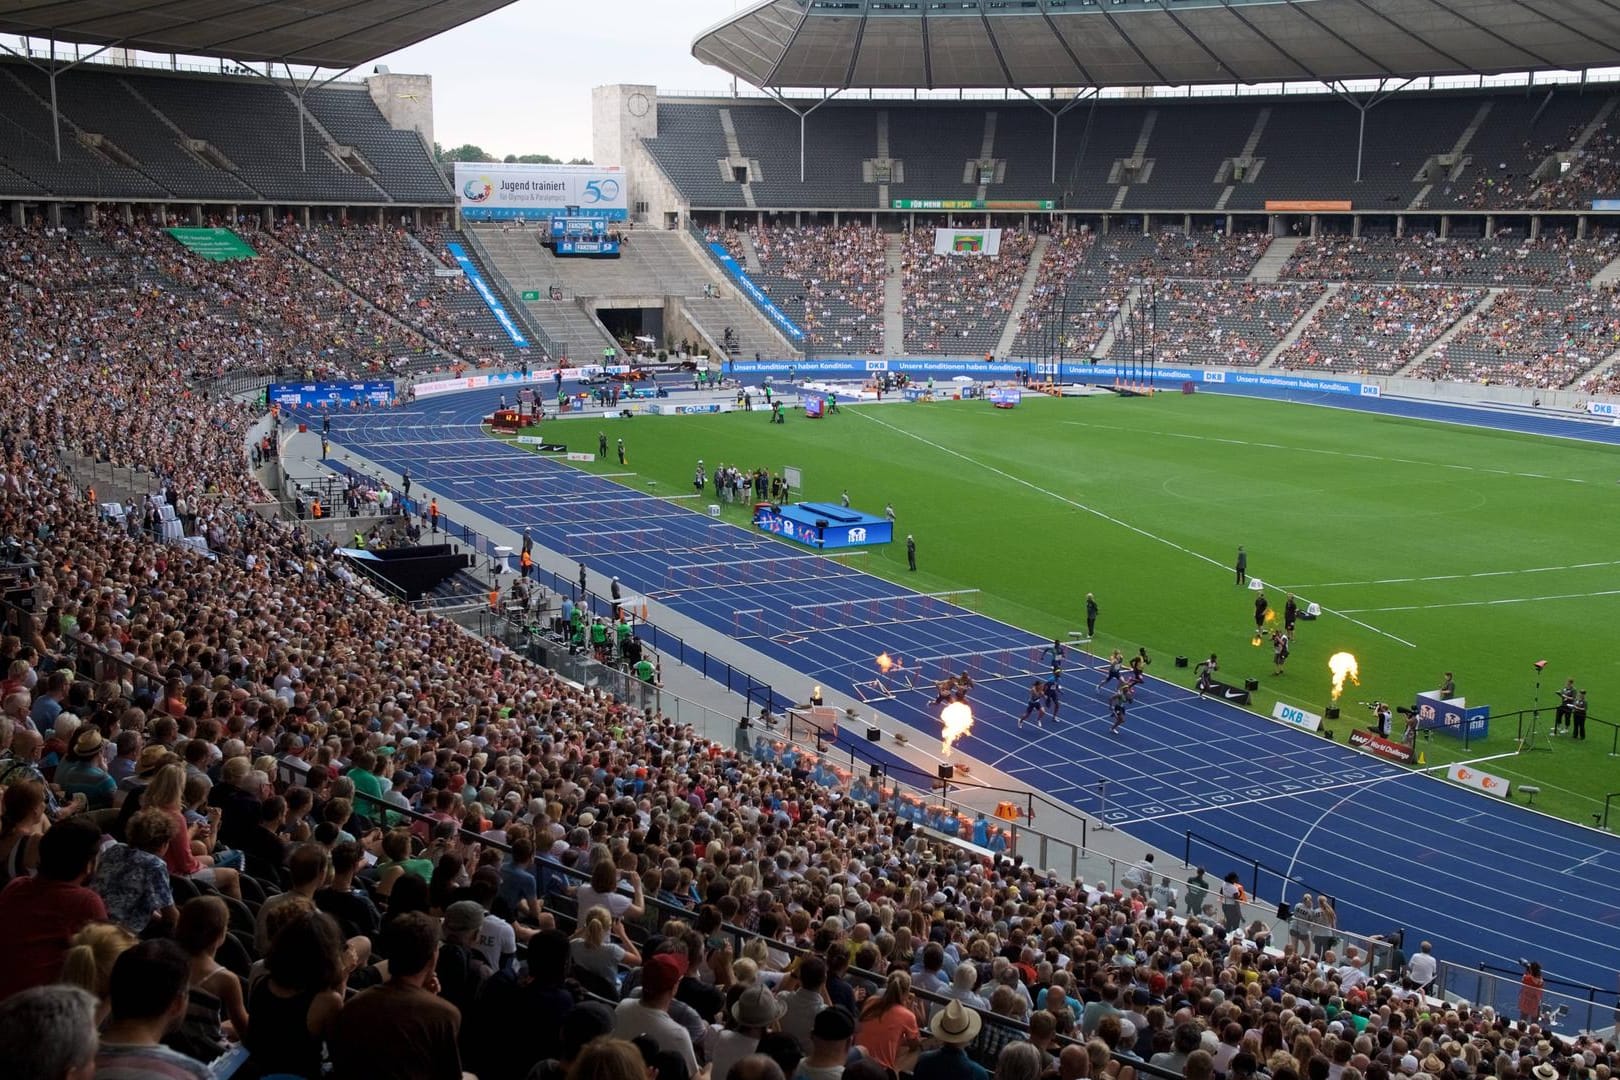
(882, 610)
(753, 622)
(609, 541)
(758, 571)
(1009, 663)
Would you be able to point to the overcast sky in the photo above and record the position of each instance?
(519, 80)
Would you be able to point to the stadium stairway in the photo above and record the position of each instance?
(1298, 329)
(1421, 199)
(1026, 288)
(1599, 368)
(1608, 276)
(1269, 266)
(1572, 156)
(894, 319)
(750, 253)
(516, 255)
(754, 332)
(1479, 310)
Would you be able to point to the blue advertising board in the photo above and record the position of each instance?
(824, 525)
(481, 287)
(758, 295)
(586, 247)
(1452, 716)
(1005, 397)
(330, 394)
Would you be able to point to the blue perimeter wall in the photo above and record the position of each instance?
(1304, 389)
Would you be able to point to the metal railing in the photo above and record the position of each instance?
(1561, 1006)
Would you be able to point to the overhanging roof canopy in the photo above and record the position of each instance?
(881, 44)
(310, 33)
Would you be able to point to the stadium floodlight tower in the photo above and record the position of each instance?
(319, 37)
(1058, 53)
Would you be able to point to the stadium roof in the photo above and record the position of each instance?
(861, 44)
(310, 33)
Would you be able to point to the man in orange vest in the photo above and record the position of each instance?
(315, 508)
(433, 513)
(528, 565)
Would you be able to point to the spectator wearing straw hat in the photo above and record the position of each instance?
(82, 772)
(955, 1027)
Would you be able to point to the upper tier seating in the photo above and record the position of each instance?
(127, 134)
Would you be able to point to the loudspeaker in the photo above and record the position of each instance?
(947, 772)
(874, 771)
(1285, 911)
(1251, 685)
(874, 733)
(1181, 661)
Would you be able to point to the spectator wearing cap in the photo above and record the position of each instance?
(830, 1037)
(40, 914)
(649, 1014)
(752, 1012)
(461, 967)
(82, 773)
(955, 1027)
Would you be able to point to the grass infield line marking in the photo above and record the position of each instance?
(1457, 577)
(1487, 603)
(1104, 516)
(1326, 453)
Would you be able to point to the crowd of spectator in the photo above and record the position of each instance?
(1091, 276)
(1376, 329)
(828, 279)
(209, 758)
(959, 304)
(1548, 261)
(1541, 338)
(412, 277)
(1593, 173)
(1228, 323)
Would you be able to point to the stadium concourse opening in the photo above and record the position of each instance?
(548, 793)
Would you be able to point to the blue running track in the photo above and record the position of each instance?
(1485, 881)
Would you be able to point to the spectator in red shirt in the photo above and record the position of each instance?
(39, 915)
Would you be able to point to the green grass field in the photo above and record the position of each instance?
(1501, 547)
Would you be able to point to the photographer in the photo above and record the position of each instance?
(1381, 715)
